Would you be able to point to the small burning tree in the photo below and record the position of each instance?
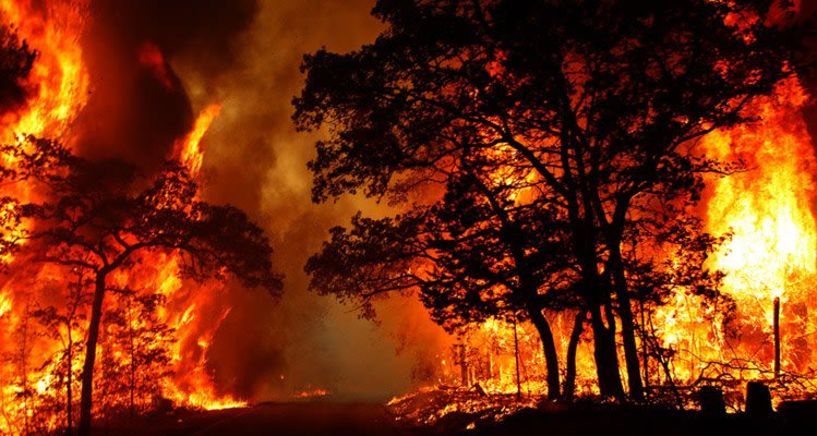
(65, 326)
(97, 217)
(134, 330)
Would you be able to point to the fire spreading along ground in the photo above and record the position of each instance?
(770, 266)
(157, 337)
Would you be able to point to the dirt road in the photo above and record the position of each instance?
(317, 418)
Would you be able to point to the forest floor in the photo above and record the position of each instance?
(330, 418)
(302, 418)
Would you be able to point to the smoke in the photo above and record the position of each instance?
(305, 341)
(154, 64)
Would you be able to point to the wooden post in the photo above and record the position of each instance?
(776, 337)
(516, 353)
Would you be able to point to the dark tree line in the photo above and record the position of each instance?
(544, 154)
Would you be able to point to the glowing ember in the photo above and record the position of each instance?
(312, 393)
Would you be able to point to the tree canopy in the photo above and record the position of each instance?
(598, 104)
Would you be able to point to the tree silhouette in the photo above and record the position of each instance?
(16, 60)
(603, 100)
(134, 330)
(479, 252)
(98, 216)
(68, 320)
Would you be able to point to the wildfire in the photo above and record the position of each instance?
(59, 80)
(312, 394)
(771, 256)
(767, 208)
(58, 88)
(57, 85)
(190, 153)
(192, 385)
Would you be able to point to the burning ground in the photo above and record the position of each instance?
(209, 85)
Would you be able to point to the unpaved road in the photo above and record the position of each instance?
(317, 418)
(306, 419)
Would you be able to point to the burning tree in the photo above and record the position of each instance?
(599, 104)
(103, 220)
(133, 329)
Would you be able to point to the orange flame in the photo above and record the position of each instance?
(190, 152)
(773, 249)
(772, 253)
(59, 86)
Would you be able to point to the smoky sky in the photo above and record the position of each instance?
(253, 145)
(136, 111)
(154, 64)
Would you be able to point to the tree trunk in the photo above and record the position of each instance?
(570, 372)
(645, 357)
(549, 348)
(776, 328)
(132, 380)
(631, 358)
(24, 367)
(516, 356)
(131, 335)
(69, 396)
(85, 401)
(604, 353)
(463, 365)
(625, 312)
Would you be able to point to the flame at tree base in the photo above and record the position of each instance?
(772, 252)
(771, 255)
